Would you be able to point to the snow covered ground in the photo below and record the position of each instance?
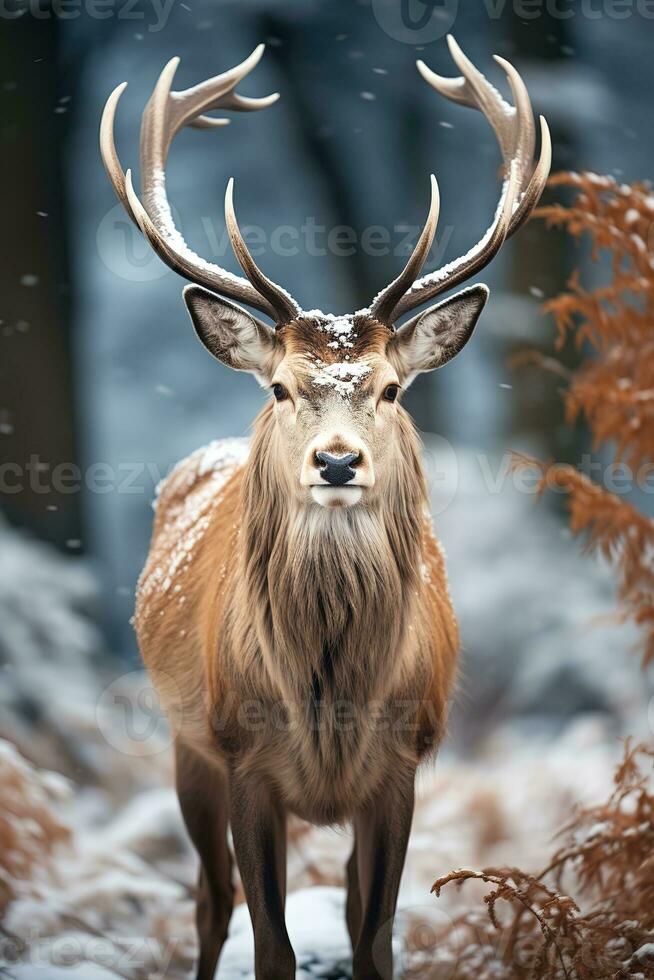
(96, 873)
(112, 885)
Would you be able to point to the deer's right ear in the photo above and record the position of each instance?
(230, 334)
(434, 337)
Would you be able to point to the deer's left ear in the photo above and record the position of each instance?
(434, 337)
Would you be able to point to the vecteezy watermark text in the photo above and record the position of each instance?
(125, 252)
(152, 15)
(126, 955)
(497, 474)
(136, 719)
(42, 477)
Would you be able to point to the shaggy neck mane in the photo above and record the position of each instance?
(331, 590)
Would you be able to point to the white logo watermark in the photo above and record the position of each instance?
(421, 22)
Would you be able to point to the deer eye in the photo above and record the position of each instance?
(391, 393)
(280, 392)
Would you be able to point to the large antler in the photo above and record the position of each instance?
(524, 182)
(165, 114)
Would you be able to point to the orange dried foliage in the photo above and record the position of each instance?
(590, 914)
(613, 387)
(604, 932)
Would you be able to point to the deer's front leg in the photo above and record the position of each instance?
(258, 824)
(204, 800)
(382, 834)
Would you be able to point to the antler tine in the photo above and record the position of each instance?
(456, 272)
(523, 124)
(239, 103)
(110, 158)
(165, 114)
(283, 301)
(384, 304)
(513, 125)
(218, 93)
(523, 184)
(538, 181)
(185, 262)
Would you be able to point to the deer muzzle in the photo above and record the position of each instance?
(336, 470)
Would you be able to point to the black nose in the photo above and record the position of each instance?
(337, 470)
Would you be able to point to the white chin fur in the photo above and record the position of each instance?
(336, 496)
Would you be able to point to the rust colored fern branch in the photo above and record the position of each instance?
(532, 897)
(613, 387)
(589, 915)
(606, 932)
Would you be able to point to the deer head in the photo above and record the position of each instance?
(336, 381)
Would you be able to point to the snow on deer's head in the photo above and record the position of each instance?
(336, 383)
(339, 429)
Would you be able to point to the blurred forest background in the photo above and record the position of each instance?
(103, 388)
(100, 364)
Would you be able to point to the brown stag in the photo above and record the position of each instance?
(294, 612)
